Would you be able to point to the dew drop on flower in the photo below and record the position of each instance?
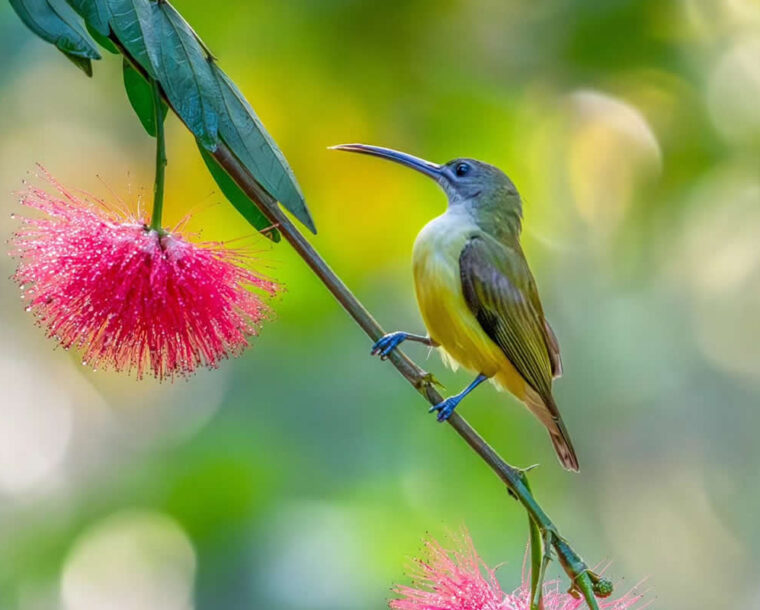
(129, 299)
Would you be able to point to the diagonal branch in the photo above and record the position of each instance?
(583, 580)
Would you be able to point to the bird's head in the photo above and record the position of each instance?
(479, 186)
(464, 178)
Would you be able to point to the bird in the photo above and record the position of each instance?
(477, 296)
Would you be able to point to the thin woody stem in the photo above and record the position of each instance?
(158, 186)
(514, 478)
(581, 578)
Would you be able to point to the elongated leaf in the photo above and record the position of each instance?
(83, 63)
(140, 95)
(184, 70)
(154, 36)
(97, 13)
(55, 22)
(244, 133)
(103, 41)
(131, 21)
(238, 198)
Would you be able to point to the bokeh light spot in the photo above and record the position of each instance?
(37, 425)
(611, 149)
(733, 91)
(316, 559)
(133, 560)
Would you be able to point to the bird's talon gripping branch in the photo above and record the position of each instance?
(391, 341)
(446, 407)
(388, 343)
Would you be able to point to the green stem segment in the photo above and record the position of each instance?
(536, 564)
(539, 557)
(158, 186)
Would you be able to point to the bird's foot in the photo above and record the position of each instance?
(388, 343)
(446, 407)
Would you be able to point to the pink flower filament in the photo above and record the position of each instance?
(131, 298)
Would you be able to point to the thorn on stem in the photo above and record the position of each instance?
(427, 380)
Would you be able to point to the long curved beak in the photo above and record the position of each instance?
(425, 167)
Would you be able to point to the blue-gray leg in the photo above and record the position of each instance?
(446, 407)
(391, 341)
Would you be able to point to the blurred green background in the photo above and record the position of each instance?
(305, 474)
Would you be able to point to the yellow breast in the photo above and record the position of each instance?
(447, 317)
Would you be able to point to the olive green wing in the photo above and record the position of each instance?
(500, 291)
(553, 345)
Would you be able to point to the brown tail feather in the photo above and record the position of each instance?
(549, 415)
(564, 448)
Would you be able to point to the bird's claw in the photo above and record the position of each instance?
(385, 345)
(445, 408)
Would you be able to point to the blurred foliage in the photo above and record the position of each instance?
(304, 474)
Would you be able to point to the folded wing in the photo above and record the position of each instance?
(500, 291)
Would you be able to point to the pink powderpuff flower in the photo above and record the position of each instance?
(131, 298)
(451, 580)
(460, 580)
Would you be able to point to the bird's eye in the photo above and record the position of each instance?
(462, 169)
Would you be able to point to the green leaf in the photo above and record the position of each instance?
(55, 22)
(83, 63)
(103, 41)
(246, 136)
(131, 21)
(157, 38)
(96, 13)
(140, 95)
(238, 198)
(184, 71)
